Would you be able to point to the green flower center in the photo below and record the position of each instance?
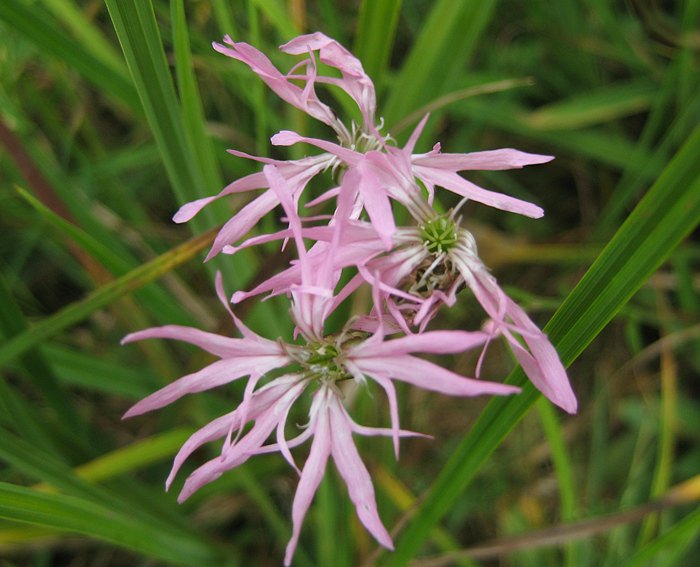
(321, 353)
(322, 362)
(439, 234)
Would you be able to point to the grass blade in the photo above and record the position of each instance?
(138, 34)
(48, 37)
(70, 514)
(105, 295)
(375, 36)
(451, 33)
(192, 111)
(192, 175)
(670, 210)
(594, 107)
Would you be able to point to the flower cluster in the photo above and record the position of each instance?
(411, 270)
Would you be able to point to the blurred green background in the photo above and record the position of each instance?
(115, 113)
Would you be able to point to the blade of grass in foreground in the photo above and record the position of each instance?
(191, 174)
(669, 211)
(105, 295)
(138, 34)
(375, 36)
(70, 514)
(450, 33)
(192, 110)
(33, 22)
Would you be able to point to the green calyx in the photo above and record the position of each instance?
(322, 353)
(439, 234)
(322, 363)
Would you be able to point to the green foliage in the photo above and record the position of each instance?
(114, 115)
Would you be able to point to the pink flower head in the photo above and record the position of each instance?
(298, 173)
(430, 265)
(322, 362)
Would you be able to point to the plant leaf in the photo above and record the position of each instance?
(669, 211)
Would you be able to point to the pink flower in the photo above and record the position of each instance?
(427, 269)
(298, 173)
(323, 362)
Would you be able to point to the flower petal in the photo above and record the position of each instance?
(216, 374)
(304, 99)
(289, 138)
(506, 158)
(548, 374)
(437, 342)
(542, 364)
(247, 183)
(362, 179)
(243, 221)
(388, 387)
(260, 402)
(454, 182)
(216, 344)
(354, 473)
(311, 476)
(247, 446)
(355, 81)
(430, 376)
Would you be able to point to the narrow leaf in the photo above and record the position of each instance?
(670, 210)
(451, 32)
(80, 310)
(31, 21)
(70, 514)
(375, 36)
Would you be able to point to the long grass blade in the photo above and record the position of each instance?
(376, 31)
(191, 174)
(450, 34)
(669, 211)
(135, 24)
(34, 23)
(103, 296)
(71, 514)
